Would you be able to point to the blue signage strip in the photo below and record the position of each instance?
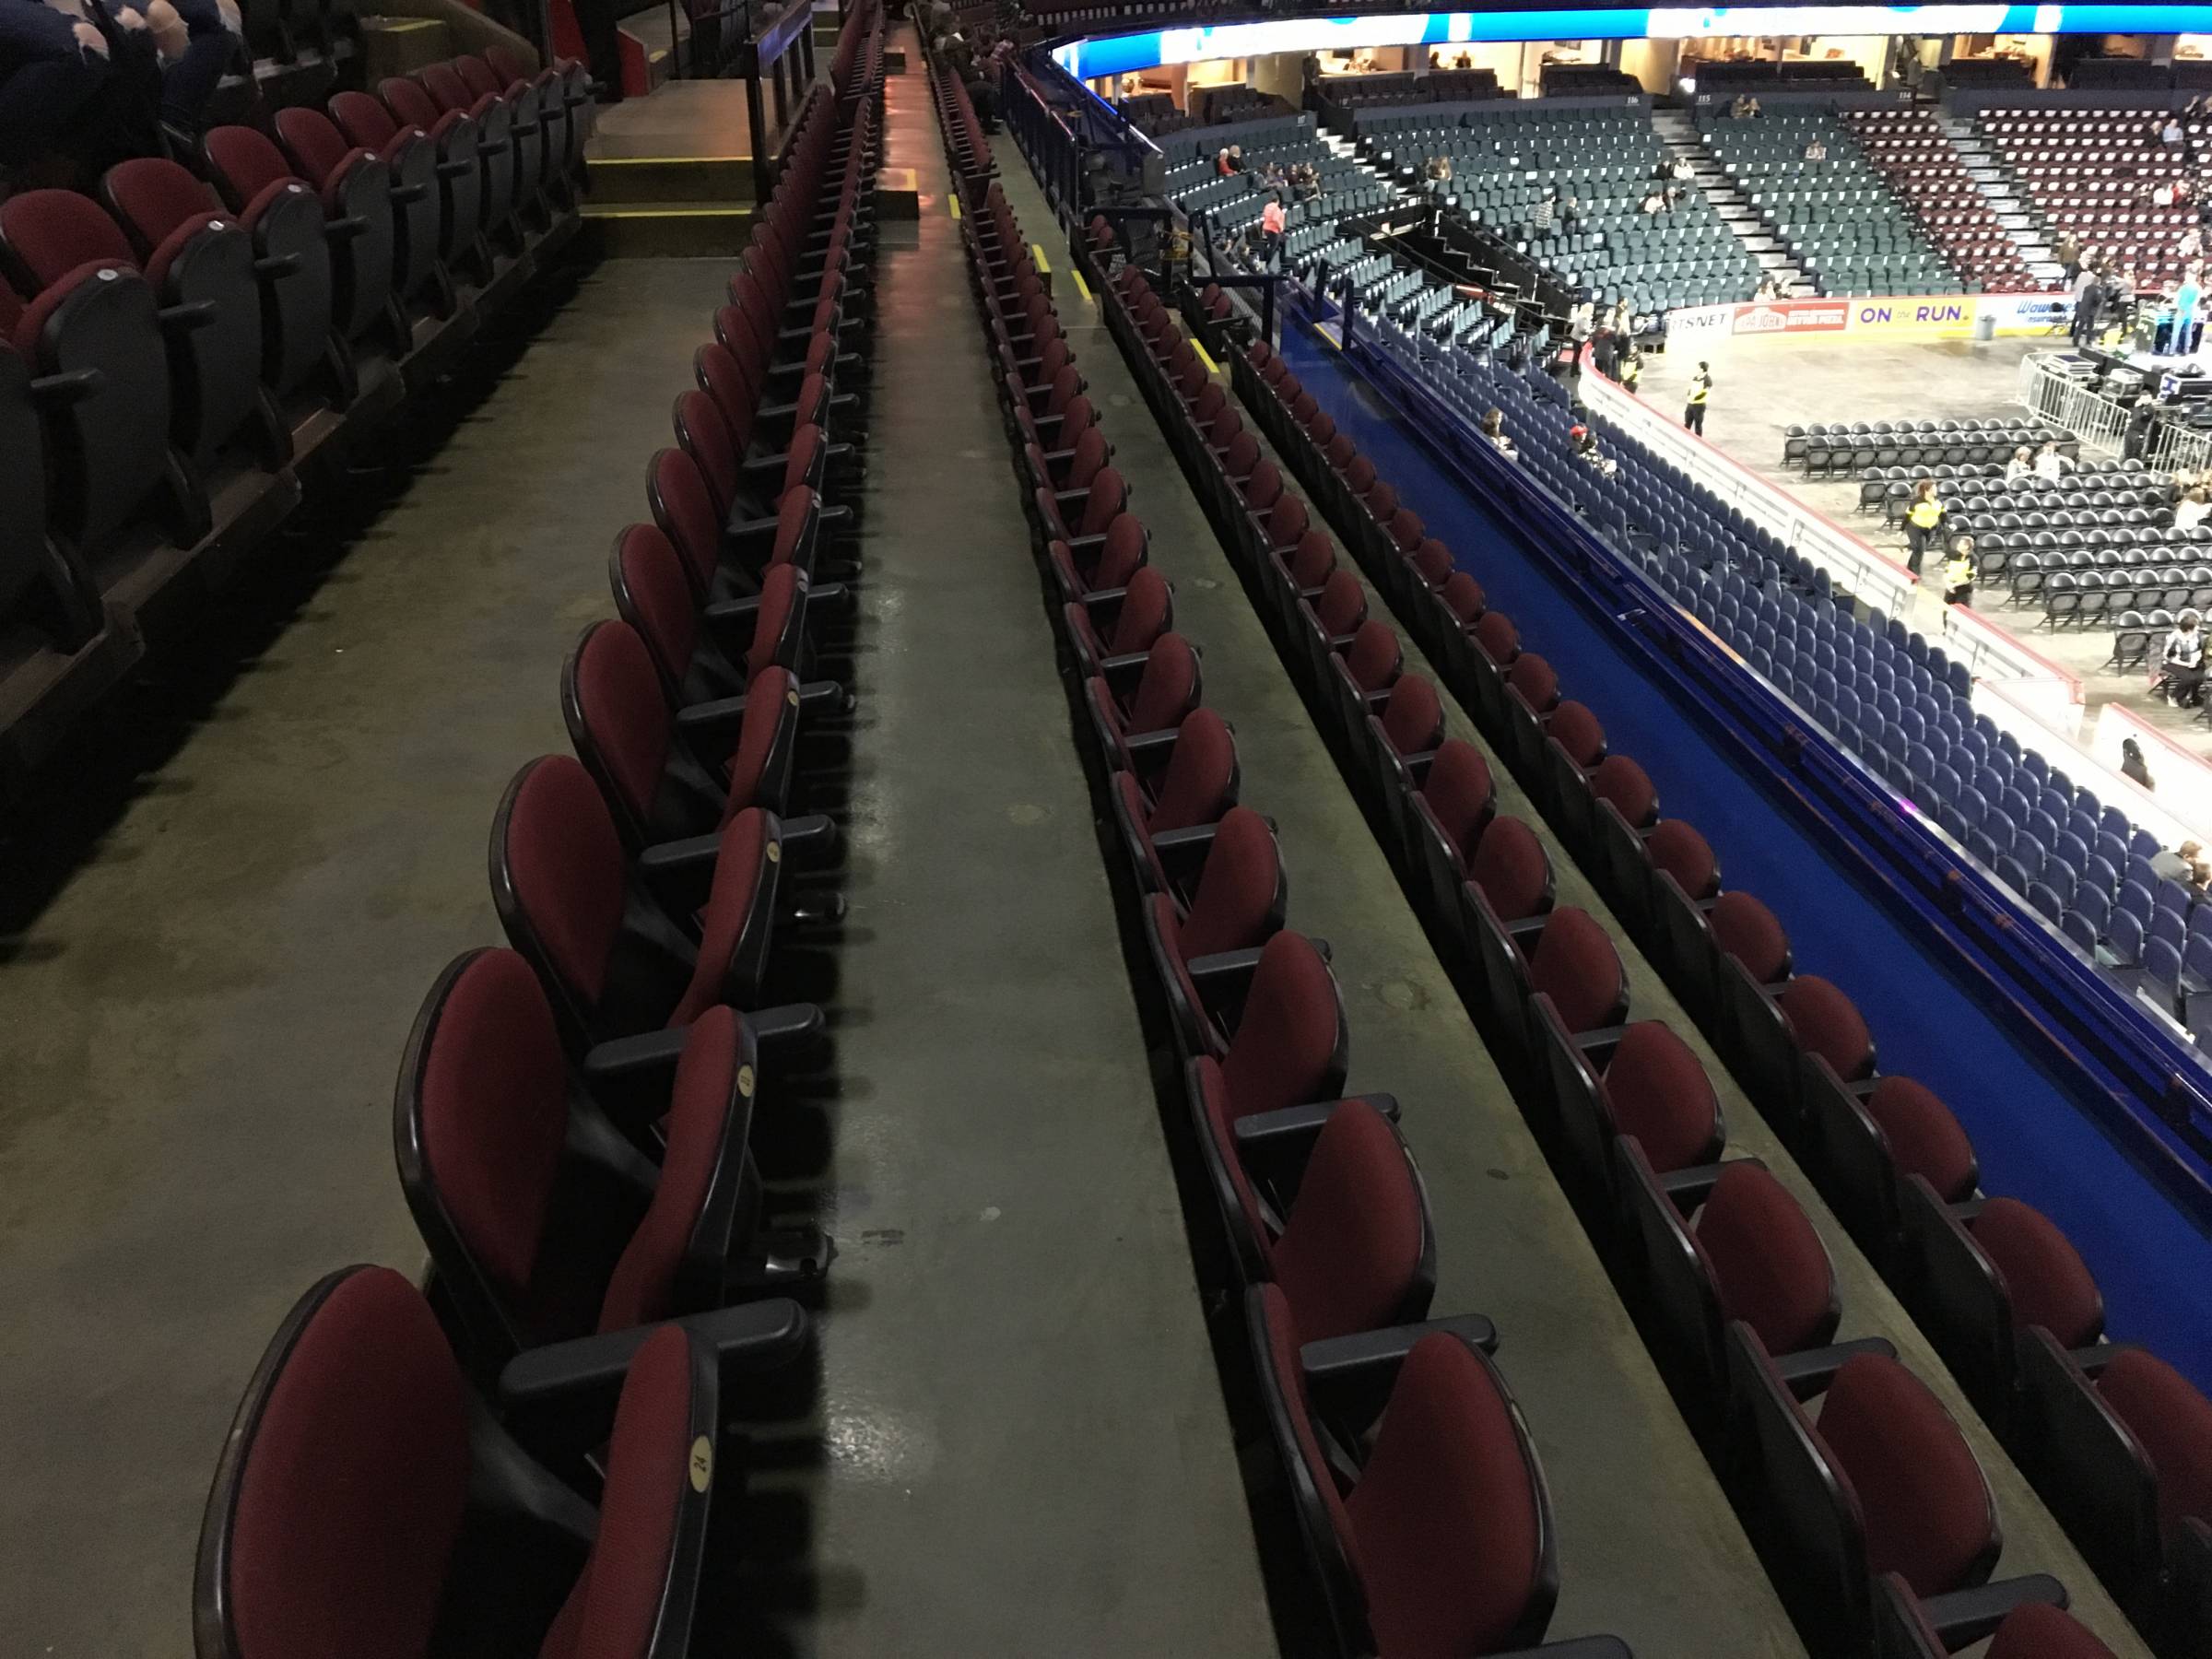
(1115, 54)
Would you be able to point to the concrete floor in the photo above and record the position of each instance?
(219, 953)
(1024, 1445)
(1762, 388)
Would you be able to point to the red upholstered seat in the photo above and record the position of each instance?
(1413, 718)
(1355, 1253)
(1575, 965)
(1459, 796)
(1312, 560)
(1200, 782)
(1768, 1263)
(1342, 606)
(2172, 1422)
(1500, 640)
(1432, 561)
(1746, 930)
(1373, 658)
(1677, 850)
(1576, 731)
(1463, 596)
(1287, 523)
(2046, 1277)
(2041, 1632)
(1533, 678)
(1827, 1023)
(1620, 781)
(1927, 1508)
(1511, 870)
(1240, 894)
(1659, 1093)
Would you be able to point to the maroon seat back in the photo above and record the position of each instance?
(683, 500)
(1532, 677)
(1413, 719)
(1342, 606)
(246, 164)
(1924, 1504)
(1677, 849)
(1464, 597)
(2049, 1283)
(1746, 930)
(1768, 1263)
(1827, 1023)
(1460, 795)
(1168, 688)
(1357, 1252)
(2172, 1422)
(1242, 891)
(1290, 1045)
(1623, 783)
(1511, 870)
(1924, 1138)
(1312, 560)
(1146, 612)
(1577, 731)
(1500, 640)
(1660, 1093)
(1200, 782)
(1575, 965)
(620, 721)
(654, 593)
(1287, 523)
(1375, 656)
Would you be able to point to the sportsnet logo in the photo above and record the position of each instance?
(1794, 317)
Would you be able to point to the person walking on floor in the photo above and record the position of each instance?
(1922, 520)
(1700, 390)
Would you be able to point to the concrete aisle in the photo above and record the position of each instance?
(1024, 1445)
(200, 1028)
(1649, 1549)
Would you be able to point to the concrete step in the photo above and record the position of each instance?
(644, 181)
(670, 229)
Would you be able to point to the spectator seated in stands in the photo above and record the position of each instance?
(2182, 678)
(2049, 464)
(2175, 864)
(2193, 508)
(1815, 150)
(1584, 445)
(1493, 432)
(2021, 464)
(1768, 288)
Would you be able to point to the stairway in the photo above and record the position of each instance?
(2019, 221)
(1678, 134)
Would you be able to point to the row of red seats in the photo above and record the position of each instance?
(1739, 1290)
(1919, 162)
(523, 1455)
(2005, 1297)
(966, 145)
(1384, 1419)
(182, 358)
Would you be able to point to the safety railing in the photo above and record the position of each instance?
(2057, 398)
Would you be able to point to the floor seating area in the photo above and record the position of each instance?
(2088, 173)
(1863, 447)
(1998, 1291)
(1917, 160)
(187, 358)
(1838, 218)
(528, 1455)
(1505, 161)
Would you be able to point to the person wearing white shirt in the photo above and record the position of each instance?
(2049, 464)
(2193, 508)
(2020, 466)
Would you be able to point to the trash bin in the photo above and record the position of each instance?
(1985, 325)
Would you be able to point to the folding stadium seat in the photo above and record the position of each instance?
(473, 79)
(464, 197)
(1881, 1482)
(549, 1218)
(1135, 710)
(1116, 631)
(350, 227)
(1418, 1490)
(1120, 553)
(1205, 951)
(383, 210)
(1168, 806)
(1719, 1242)
(363, 1488)
(669, 774)
(1560, 954)
(562, 112)
(1981, 1273)
(624, 976)
(427, 240)
(60, 648)
(729, 546)
(1778, 1032)
(306, 370)
(438, 93)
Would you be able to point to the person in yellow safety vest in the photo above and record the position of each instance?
(1631, 370)
(1701, 388)
(1921, 521)
(1959, 574)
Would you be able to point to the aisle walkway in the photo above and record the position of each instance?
(200, 1030)
(1025, 1450)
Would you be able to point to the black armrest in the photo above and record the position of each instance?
(1123, 662)
(1600, 1041)
(186, 318)
(496, 147)
(755, 1337)
(1097, 596)
(1152, 747)
(59, 391)
(1225, 974)
(1963, 1616)
(505, 1479)
(827, 517)
(1417, 764)
(345, 229)
(1349, 1378)
(1079, 545)
(1528, 927)
(785, 1022)
(751, 529)
(626, 1058)
(1691, 1186)
(733, 611)
(1263, 1128)
(1810, 1372)
(458, 167)
(406, 194)
(721, 713)
(278, 265)
(691, 854)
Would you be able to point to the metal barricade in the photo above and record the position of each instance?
(2055, 396)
